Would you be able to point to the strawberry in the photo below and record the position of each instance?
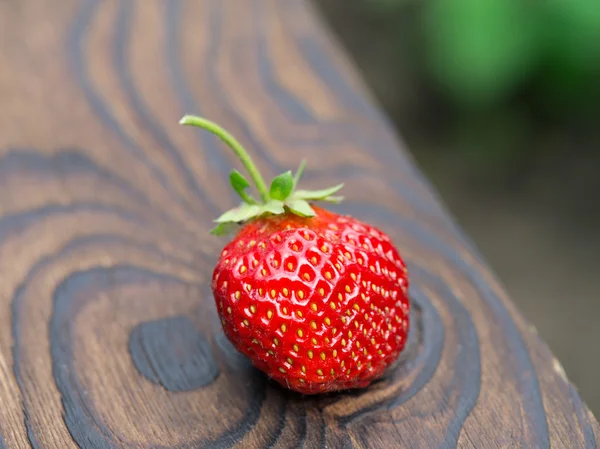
(316, 300)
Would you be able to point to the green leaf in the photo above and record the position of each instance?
(240, 213)
(222, 229)
(274, 207)
(282, 186)
(238, 182)
(301, 207)
(316, 194)
(333, 199)
(245, 212)
(299, 172)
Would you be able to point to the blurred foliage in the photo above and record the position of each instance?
(482, 51)
(499, 87)
(479, 50)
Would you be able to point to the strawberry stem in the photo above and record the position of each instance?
(283, 197)
(237, 148)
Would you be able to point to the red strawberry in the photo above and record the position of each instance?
(316, 300)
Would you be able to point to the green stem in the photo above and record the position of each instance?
(237, 148)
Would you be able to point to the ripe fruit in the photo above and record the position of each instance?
(316, 300)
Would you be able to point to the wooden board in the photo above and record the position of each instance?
(108, 331)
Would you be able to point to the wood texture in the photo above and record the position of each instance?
(109, 337)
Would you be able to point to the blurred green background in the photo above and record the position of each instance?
(499, 100)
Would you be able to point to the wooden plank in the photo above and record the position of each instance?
(108, 332)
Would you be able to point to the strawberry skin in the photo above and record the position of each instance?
(319, 304)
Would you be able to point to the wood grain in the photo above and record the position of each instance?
(109, 337)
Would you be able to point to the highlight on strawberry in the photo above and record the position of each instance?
(316, 300)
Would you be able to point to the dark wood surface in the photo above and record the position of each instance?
(108, 332)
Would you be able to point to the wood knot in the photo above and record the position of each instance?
(172, 353)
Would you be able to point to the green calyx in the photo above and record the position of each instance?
(281, 197)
